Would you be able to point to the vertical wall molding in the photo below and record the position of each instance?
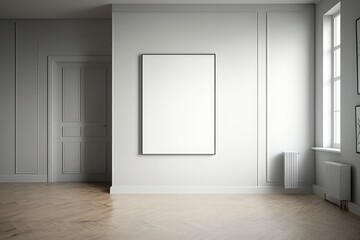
(7, 97)
(257, 98)
(35, 42)
(15, 99)
(38, 100)
(261, 92)
(266, 96)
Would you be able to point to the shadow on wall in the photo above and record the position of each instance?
(103, 11)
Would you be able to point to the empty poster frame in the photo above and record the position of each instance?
(178, 104)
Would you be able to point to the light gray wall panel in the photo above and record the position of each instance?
(27, 99)
(7, 97)
(232, 36)
(350, 11)
(95, 94)
(247, 120)
(37, 39)
(290, 92)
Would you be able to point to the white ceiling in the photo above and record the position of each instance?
(61, 9)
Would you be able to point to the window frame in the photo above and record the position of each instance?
(334, 79)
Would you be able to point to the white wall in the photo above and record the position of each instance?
(350, 11)
(24, 48)
(265, 94)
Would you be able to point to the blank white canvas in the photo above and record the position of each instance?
(178, 104)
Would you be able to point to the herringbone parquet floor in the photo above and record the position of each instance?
(87, 211)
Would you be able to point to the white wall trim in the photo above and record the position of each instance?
(207, 190)
(145, 7)
(323, 149)
(354, 208)
(318, 190)
(23, 178)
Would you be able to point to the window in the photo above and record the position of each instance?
(335, 80)
(331, 78)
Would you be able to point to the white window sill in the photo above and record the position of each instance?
(322, 149)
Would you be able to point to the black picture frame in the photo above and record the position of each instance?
(357, 33)
(357, 128)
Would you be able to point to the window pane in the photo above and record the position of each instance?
(337, 30)
(337, 62)
(336, 127)
(337, 95)
(336, 73)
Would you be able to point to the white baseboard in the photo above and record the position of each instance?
(354, 208)
(318, 190)
(23, 178)
(207, 190)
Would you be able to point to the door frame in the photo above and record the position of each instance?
(53, 62)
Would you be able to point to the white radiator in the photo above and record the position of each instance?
(337, 183)
(291, 176)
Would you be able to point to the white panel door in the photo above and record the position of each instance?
(82, 119)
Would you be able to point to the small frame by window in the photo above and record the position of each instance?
(358, 54)
(357, 127)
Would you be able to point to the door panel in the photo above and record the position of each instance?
(71, 157)
(95, 155)
(71, 94)
(95, 94)
(71, 132)
(96, 131)
(83, 142)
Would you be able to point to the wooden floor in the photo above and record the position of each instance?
(88, 211)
